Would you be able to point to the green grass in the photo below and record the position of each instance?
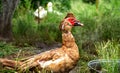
(7, 49)
(110, 52)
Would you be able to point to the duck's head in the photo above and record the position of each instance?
(68, 22)
(49, 4)
(49, 7)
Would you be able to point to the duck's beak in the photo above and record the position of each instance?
(78, 24)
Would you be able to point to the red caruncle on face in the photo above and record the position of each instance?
(71, 20)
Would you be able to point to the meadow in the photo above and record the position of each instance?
(98, 39)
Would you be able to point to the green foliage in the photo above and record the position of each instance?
(25, 3)
(24, 28)
(7, 71)
(89, 1)
(101, 25)
(109, 28)
(62, 5)
(41, 3)
(48, 29)
(6, 49)
(27, 30)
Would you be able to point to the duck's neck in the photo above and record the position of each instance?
(68, 39)
(69, 46)
(50, 9)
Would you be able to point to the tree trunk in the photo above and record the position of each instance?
(6, 12)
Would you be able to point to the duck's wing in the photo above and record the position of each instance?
(33, 61)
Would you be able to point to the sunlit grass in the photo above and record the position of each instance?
(109, 51)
